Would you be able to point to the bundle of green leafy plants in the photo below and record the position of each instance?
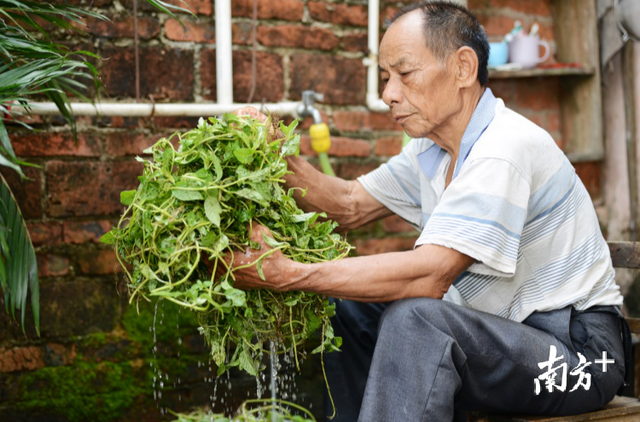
(252, 411)
(199, 201)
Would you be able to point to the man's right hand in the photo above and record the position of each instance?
(251, 111)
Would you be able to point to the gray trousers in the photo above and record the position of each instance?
(430, 360)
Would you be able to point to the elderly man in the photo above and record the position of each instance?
(509, 238)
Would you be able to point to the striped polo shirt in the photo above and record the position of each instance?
(515, 205)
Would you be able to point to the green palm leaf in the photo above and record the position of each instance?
(18, 267)
(31, 63)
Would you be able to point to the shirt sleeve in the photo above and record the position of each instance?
(482, 214)
(396, 185)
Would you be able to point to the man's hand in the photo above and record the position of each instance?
(274, 264)
(252, 112)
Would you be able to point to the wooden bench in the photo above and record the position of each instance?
(620, 409)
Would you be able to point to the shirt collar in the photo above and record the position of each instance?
(481, 118)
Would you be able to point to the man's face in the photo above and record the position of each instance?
(421, 94)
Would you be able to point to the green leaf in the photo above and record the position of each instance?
(246, 361)
(186, 195)
(252, 195)
(108, 238)
(212, 210)
(126, 197)
(236, 296)
(291, 146)
(259, 269)
(299, 218)
(244, 155)
(272, 242)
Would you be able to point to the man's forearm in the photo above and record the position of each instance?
(427, 271)
(340, 199)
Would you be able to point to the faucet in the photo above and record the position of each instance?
(319, 131)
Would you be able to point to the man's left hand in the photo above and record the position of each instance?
(274, 264)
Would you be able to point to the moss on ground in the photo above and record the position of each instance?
(102, 386)
(62, 390)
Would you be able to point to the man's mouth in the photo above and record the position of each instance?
(401, 118)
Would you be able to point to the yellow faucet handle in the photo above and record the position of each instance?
(320, 139)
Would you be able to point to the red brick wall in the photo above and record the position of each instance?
(73, 196)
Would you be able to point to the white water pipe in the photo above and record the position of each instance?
(224, 61)
(224, 81)
(374, 103)
(146, 110)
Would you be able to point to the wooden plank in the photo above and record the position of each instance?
(634, 325)
(530, 73)
(621, 409)
(625, 254)
(576, 36)
(628, 87)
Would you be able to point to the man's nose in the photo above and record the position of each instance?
(392, 93)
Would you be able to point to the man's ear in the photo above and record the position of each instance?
(466, 66)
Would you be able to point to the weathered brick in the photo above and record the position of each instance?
(389, 244)
(45, 233)
(50, 265)
(355, 42)
(130, 143)
(387, 13)
(503, 88)
(178, 122)
(123, 27)
(21, 359)
(201, 31)
(199, 7)
(554, 122)
(530, 7)
(547, 32)
(297, 36)
(340, 147)
(168, 72)
(538, 94)
(288, 10)
(85, 231)
(353, 121)
(496, 25)
(395, 224)
(341, 80)
(48, 144)
(28, 193)
(99, 262)
(591, 175)
(352, 170)
(341, 14)
(89, 188)
(56, 354)
(388, 146)
(384, 121)
(78, 308)
(242, 33)
(269, 77)
(478, 4)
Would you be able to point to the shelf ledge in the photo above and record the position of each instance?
(531, 73)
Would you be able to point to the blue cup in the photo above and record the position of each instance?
(498, 53)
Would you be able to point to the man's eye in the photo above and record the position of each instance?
(403, 74)
(385, 80)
